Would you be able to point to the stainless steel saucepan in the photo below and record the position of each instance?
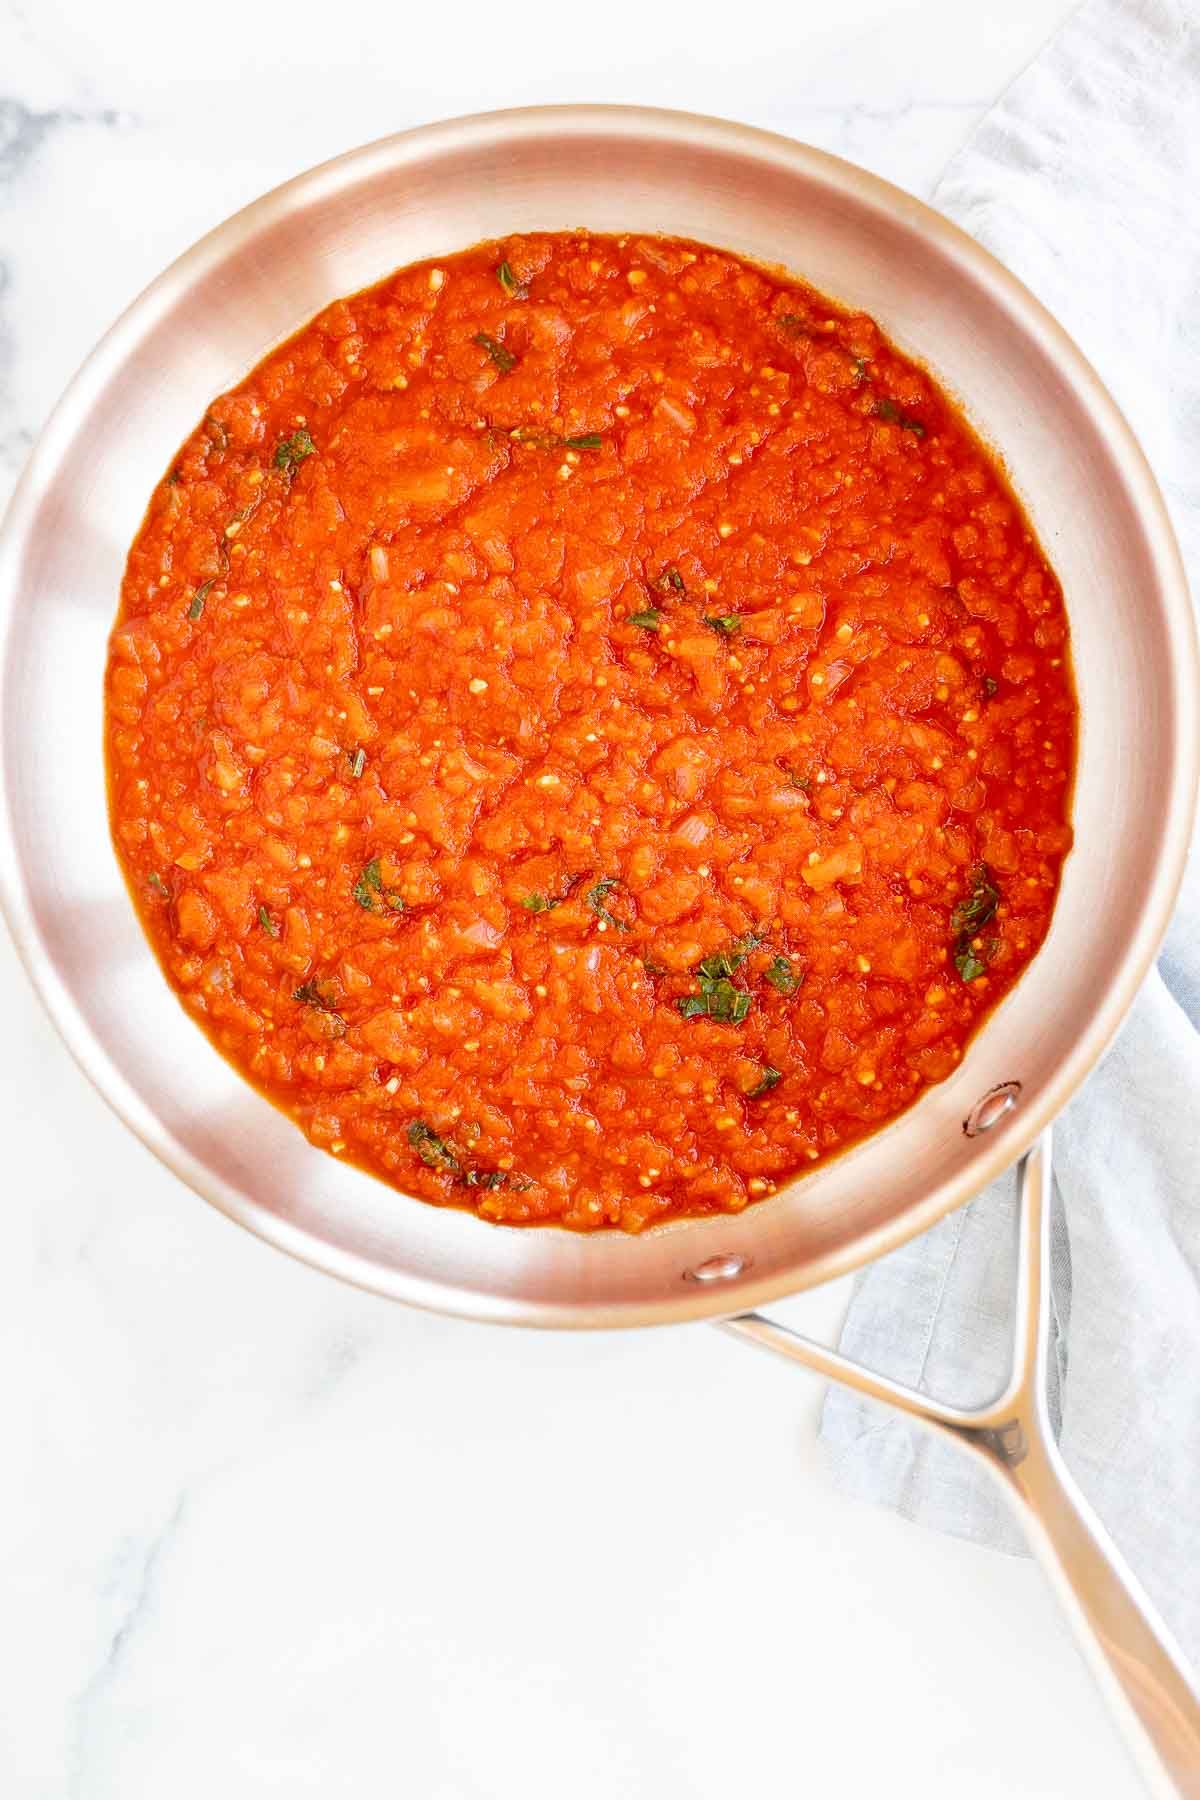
(1095, 506)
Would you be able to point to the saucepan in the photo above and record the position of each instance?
(1094, 504)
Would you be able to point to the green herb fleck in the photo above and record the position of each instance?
(969, 965)
(670, 581)
(892, 415)
(433, 1151)
(769, 1078)
(990, 686)
(596, 896)
(198, 598)
(718, 998)
(782, 977)
(508, 281)
(358, 761)
(968, 919)
(861, 365)
(369, 885)
(793, 325)
(371, 894)
(310, 993)
(725, 962)
(503, 359)
(539, 903)
(173, 478)
(485, 1178)
(533, 439)
(217, 432)
(648, 620)
(267, 922)
(979, 907)
(292, 451)
(154, 880)
(725, 623)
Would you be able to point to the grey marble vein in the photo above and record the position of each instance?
(136, 1571)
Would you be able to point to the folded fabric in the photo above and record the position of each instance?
(1083, 182)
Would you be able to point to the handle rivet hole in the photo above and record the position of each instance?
(995, 1105)
(718, 1268)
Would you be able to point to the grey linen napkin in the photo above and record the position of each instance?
(1085, 181)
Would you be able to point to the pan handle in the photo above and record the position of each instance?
(1140, 1668)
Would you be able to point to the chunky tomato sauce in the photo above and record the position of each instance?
(590, 731)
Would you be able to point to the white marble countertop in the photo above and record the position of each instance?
(266, 1535)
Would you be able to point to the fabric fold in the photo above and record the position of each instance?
(1082, 181)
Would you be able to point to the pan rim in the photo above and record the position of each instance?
(693, 1301)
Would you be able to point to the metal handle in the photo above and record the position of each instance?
(1139, 1667)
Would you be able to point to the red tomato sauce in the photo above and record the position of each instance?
(590, 731)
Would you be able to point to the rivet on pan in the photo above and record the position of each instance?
(718, 1268)
(993, 1107)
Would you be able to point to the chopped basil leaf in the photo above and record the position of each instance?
(968, 919)
(718, 998)
(769, 1078)
(155, 881)
(724, 962)
(369, 883)
(596, 896)
(782, 977)
(370, 892)
(433, 1151)
(892, 415)
(292, 451)
(508, 281)
(725, 623)
(199, 597)
(309, 994)
(793, 325)
(503, 359)
(990, 686)
(437, 1154)
(979, 907)
(648, 620)
(861, 366)
(247, 512)
(358, 761)
(540, 903)
(670, 581)
(533, 439)
(174, 478)
(485, 1178)
(267, 922)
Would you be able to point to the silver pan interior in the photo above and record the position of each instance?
(258, 277)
